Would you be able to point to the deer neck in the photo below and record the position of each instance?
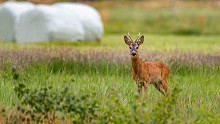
(136, 64)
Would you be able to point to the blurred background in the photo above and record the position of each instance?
(181, 17)
(183, 34)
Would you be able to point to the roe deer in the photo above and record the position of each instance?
(155, 73)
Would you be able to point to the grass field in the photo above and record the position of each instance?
(161, 17)
(194, 64)
(164, 21)
(186, 39)
(161, 43)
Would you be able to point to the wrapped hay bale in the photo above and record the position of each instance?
(48, 23)
(89, 17)
(9, 16)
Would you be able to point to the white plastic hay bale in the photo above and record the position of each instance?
(89, 17)
(9, 15)
(48, 23)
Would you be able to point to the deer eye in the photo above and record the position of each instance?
(136, 47)
(130, 47)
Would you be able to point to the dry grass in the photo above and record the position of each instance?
(25, 57)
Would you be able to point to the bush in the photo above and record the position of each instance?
(47, 104)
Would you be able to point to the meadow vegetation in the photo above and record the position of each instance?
(107, 76)
(92, 82)
(161, 17)
(115, 42)
(191, 21)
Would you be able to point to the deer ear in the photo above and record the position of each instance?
(140, 40)
(127, 41)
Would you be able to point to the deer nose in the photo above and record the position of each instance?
(133, 53)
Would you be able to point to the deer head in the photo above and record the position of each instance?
(133, 46)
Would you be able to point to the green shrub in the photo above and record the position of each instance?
(47, 104)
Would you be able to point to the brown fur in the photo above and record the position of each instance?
(145, 73)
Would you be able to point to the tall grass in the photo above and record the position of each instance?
(198, 80)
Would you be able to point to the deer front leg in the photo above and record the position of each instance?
(139, 84)
(145, 89)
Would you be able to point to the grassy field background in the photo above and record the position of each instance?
(164, 21)
(186, 39)
(161, 17)
(115, 42)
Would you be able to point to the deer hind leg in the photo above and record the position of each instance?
(165, 85)
(164, 81)
(160, 87)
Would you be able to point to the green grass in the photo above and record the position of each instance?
(174, 20)
(199, 84)
(197, 31)
(161, 43)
